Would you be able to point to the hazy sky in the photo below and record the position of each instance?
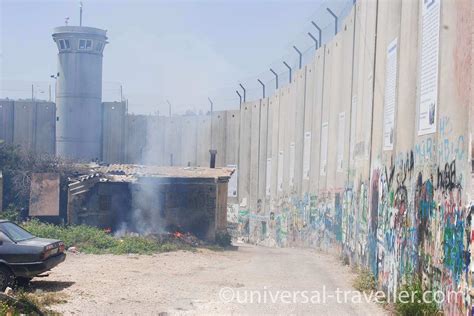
(181, 51)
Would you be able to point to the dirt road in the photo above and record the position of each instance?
(206, 282)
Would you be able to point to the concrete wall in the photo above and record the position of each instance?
(313, 169)
(6, 121)
(313, 161)
(29, 124)
(113, 131)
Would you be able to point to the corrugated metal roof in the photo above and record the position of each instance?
(130, 172)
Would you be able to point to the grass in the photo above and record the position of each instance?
(417, 306)
(25, 303)
(365, 281)
(96, 241)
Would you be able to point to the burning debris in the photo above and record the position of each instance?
(147, 200)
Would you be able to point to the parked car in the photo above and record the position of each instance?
(24, 256)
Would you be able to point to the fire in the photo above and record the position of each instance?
(178, 235)
(108, 230)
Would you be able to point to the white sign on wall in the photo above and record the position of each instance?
(324, 148)
(280, 170)
(390, 95)
(292, 164)
(429, 66)
(368, 109)
(353, 126)
(306, 155)
(269, 177)
(340, 140)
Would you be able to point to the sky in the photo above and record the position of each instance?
(181, 51)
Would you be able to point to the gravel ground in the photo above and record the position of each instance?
(255, 279)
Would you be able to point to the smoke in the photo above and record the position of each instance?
(146, 213)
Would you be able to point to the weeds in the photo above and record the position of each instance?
(223, 239)
(416, 305)
(25, 303)
(96, 241)
(365, 281)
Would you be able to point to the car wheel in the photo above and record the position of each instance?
(20, 281)
(6, 277)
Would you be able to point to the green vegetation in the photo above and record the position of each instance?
(365, 281)
(11, 213)
(223, 239)
(17, 168)
(26, 303)
(406, 306)
(96, 241)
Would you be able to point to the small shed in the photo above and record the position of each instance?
(150, 199)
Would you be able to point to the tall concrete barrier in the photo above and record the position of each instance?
(113, 131)
(367, 152)
(6, 121)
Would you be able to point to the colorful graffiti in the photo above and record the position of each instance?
(407, 220)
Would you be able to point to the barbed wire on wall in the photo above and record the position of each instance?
(227, 98)
(224, 97)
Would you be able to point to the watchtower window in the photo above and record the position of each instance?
(82, 44)
(85, 44)
(64, 44)
(98, 46)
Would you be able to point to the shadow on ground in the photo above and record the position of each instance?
(49, 286)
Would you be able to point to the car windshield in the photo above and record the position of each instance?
(15, 232)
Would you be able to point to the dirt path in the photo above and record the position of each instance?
(198, 283)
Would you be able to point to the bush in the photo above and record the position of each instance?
(223, 239)
(365, 281)
(416, 306)
(96, 241)
(11, 213)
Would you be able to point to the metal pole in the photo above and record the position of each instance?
(263, 87)
(49, 92)
(245, 92)
(32, 93)
(240, 97)
(335, 18)
(319, 31)
(212, 105)
(80, 13)
(169, 106)
(121, 93)
(276, 78)
(300, 54)
(314, 39)
(289, 68)
(212, 110)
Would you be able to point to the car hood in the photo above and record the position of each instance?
(39, 242)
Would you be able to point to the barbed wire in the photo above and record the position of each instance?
(223, 97)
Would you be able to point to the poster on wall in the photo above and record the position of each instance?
(280, 171)
(292, 164)
(306, 155)
(232, 191)
(390, 95)
(353, 126)
(324, 148)
(429, 66)
(368, 109)
(340, 140)
(269, 177)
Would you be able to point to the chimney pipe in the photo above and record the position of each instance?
(213, 153)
